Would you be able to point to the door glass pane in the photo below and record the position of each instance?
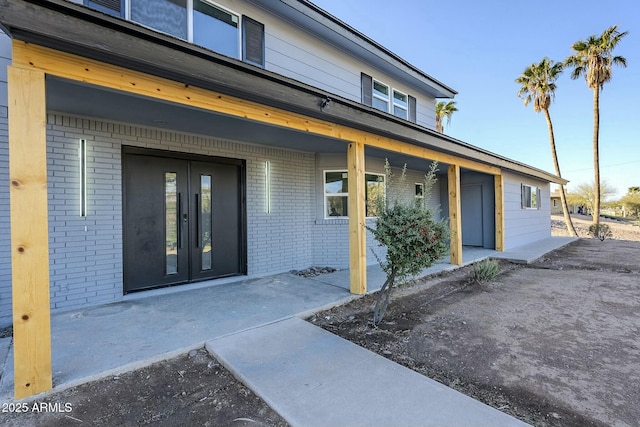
(215, 29)
(168, 16)
(206, 222)
(171, 222)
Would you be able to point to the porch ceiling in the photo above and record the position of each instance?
(84, 100)
(69, 97)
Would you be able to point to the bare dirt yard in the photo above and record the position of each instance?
(554, 344)
(190, 390)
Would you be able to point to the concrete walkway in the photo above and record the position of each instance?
(105, 340)
(323, 380)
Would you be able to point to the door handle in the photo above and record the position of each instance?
(179, 224)
(197, 225)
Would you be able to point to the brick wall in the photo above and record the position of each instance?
(86, 253)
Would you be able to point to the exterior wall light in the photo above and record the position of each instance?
(267, 187)
(82, 154)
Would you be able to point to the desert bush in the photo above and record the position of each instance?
(601, 231)
(413, 239)
(486, 270)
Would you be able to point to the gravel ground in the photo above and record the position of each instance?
(628, 230)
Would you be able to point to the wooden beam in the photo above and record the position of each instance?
(455, 217)
(499, 202)
(29, 232)
(357, 217)
(426, 153)
(86, 70)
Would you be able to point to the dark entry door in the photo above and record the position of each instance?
(216, 225)
(183, 221)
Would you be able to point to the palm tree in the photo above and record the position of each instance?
(593, 58)
(444, 109)
(538, 85)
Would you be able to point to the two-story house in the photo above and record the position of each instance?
(150, 143)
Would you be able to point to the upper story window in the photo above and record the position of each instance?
(168, 16)
(198, 21)
(400, 104)
(216, 29)
(384, 98)
(380, 96)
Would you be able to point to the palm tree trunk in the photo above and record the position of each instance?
(439, 124)
(596, 155)
(563, 198)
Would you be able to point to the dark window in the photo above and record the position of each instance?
(252, 41)
(367, 89)
(412, 110)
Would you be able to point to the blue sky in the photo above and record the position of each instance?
(479, 48)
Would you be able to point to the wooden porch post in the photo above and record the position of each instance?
(455, 218)
(357, 218)
(29, 232)
(499, 194)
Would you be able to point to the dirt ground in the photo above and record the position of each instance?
(553, 344)
(191, 390)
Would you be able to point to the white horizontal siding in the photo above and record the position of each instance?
(295, 53)
(524, 226)
(297, 58)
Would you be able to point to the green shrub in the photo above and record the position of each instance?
(486, 270)
(600, 231)
(414, 240)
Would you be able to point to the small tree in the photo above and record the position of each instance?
(631, 201)
(584, 194)
(413, 239)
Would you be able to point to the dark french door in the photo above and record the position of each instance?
(183, 219)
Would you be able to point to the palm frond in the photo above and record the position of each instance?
(538, 83)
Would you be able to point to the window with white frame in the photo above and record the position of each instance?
(530, 197)
(400, 104)
(419, 190)
(201, 22)
(387, 99)
(380, 96)
(336, 193)
(216, 28)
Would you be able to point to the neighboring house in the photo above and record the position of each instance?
(158, 143)
(556, 203)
